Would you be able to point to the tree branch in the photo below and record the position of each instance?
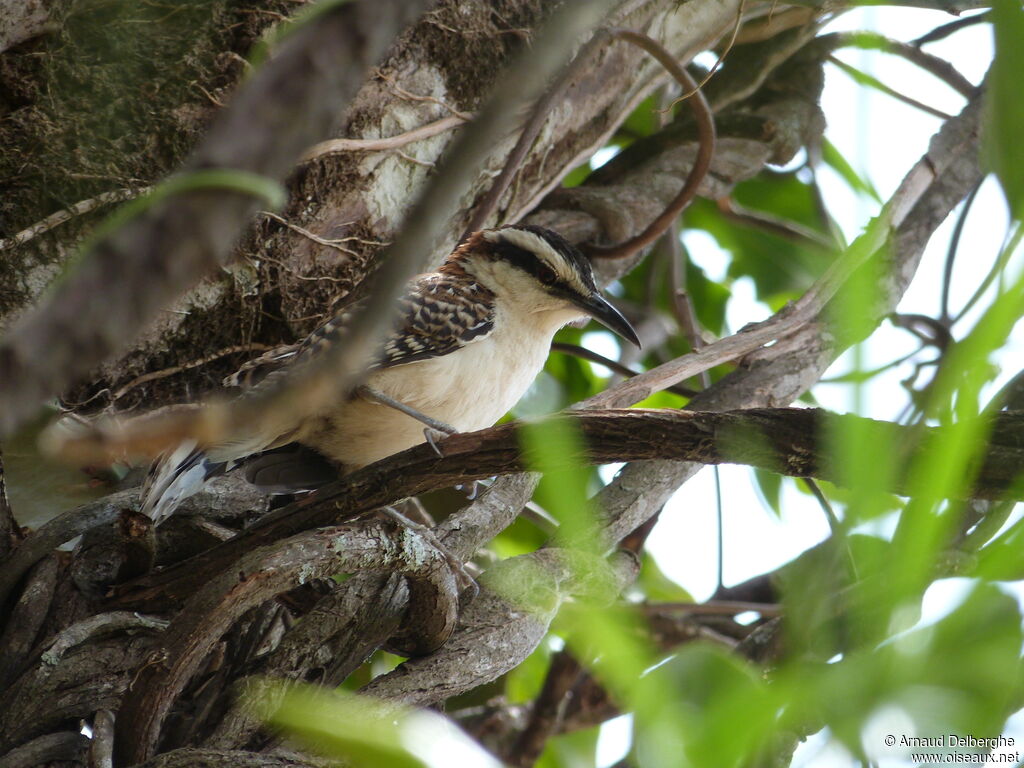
(547, 711)
(262, 575)
(10, 531)
(190, 757)
(26, 619)
(335, 146)
(63, 746)
(518, 599)
(779, 373)
(915, 187)
(780, 440)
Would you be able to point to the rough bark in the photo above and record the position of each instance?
(150, 259)
(76, 654)
(281, 282)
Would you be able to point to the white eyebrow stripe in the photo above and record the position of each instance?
(537, 245)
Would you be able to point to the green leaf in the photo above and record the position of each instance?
(644, 120)
(1004, 149)
(576, 176)
(777, 264)
(660, 399)
(571, 750)
(870, 81)
(563, 490)
(359, 730)
(709, 299)
(519, 538)
(769, 485)
(524, 683)
(1003, 558)
(975, 651)
(835, 160)
(956, 676)
(341, 725)
(656, 586)
(576, 376)
(782, 194)
(728, 711)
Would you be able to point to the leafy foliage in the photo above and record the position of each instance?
(1006, 154)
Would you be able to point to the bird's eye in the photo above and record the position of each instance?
(546, 275)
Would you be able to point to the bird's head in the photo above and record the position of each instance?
(538, 271)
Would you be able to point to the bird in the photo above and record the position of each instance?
(468, 341)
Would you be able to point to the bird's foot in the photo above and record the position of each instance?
(434, 436)
(464, 581)
(472, 488)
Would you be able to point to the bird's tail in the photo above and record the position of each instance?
(174, 477)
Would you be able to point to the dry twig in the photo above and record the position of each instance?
(702, 164)
(790, 319)
(335, 146)
(78, 209)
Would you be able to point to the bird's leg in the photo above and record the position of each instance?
(435, 430)
(398, 405)
(463, 580)
(432, 436)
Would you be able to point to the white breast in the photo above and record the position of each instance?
(469, 389)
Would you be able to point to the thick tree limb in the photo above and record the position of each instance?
(26, 618)
(232, 499)
(262, 575)
(46, 697)
(9, 529)
(96, 626)
(506, 621)
(782, 440)
(365, 610)
(223, 758)
(21, 20)
(101, 750)
(69, 746)
(330, 642)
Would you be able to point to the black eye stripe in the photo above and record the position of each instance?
(529, 262)
(569, 252)
(522, 258)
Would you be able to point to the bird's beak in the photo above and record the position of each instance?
(599, 308)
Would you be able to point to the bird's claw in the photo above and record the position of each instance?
(433, 436)
(471, 489)
(464, 581)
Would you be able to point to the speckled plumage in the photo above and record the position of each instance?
(467, 343)
(439, 313)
